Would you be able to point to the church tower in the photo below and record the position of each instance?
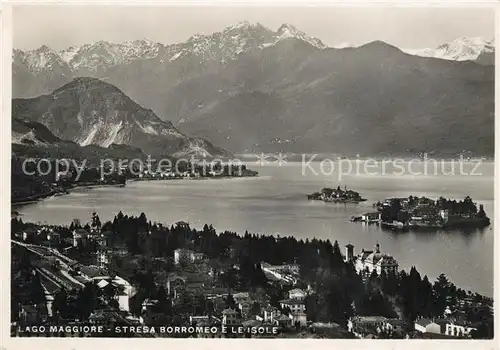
(349, 253)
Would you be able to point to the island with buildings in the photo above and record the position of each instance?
(337, 195)
(129, 274)
(425, 213)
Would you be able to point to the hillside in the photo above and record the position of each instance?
(88, 111)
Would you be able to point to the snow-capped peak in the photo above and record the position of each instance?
(286, 31)
(344, 45)
(242, 25)
(460, 49)
(41, 59)
(222, 46)
(463, 49)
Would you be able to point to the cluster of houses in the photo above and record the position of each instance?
(379, 326)
(444, 326)
(290, 314)
(374, 326)
(169, 174)
(286, 274)
(419, 211)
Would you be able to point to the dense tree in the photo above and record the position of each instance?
(230, 302)
(60, 303)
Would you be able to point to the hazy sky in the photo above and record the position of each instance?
(62, 26)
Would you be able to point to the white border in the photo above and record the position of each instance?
(9, 343)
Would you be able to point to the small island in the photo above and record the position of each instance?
(336, 195)
(425, 213)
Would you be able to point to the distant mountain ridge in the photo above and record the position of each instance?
(248, 88)
(88, 111)
(462, 49)
(223, 46)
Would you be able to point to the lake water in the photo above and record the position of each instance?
(276, 203)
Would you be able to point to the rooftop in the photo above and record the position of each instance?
(423, 322)
(230, 312)
(369, 319)
(292, 302)
(251, 323)
(282, 318)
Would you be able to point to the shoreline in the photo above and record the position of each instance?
(39, 197)
(53, 193)
(192, 178)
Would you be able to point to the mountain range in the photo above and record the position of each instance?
(474, 49)
(249, 88)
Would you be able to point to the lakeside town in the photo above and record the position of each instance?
(34, 180)
(131, 277)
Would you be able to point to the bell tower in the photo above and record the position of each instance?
(349, 252)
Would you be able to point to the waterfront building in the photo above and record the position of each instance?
(443, 214)
(368, 261)
(371, 217)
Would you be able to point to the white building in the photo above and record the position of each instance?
(188, 255)
(299, 317)
(269, 314)
(123, 301)
(425, 325)
(443, 214)
(102, 257)
(458, 329)
(294, 305)
(297, 293)
(369, 261)
(78, 235)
